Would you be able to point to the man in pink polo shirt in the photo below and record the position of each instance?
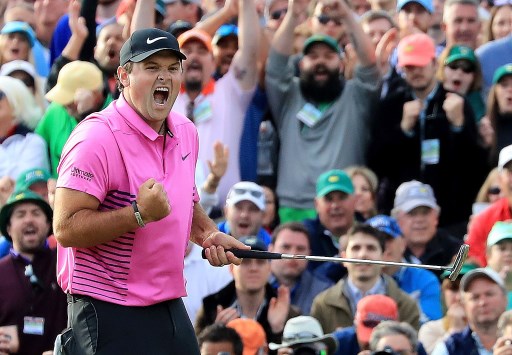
(125, 207)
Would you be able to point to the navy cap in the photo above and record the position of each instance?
(254, 242)
(146, 42)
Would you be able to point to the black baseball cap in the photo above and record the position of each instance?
(146, 42)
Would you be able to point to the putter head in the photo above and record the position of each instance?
(459, 261)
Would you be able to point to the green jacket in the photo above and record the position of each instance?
(332, 308)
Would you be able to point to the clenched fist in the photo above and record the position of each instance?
(152, 201)
(411, 112)
(453, 105)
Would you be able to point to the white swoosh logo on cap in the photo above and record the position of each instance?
(151, 41)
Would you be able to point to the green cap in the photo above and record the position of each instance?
(30, 177)
(501, 72)
(464, 270)
(16, 198)
(334, 180)
(329, 41)
(500, 231)
(460, 53)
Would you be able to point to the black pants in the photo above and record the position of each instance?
(102, 328)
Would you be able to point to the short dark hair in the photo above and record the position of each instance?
(368, 230)
(293, 226)
(217, 333)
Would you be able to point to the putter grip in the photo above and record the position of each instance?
(250, 254)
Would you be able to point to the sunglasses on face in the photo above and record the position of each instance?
(257, 194)
(370, 323)
(325, 19)
(494, 191)
(276, 15)
(466, 67)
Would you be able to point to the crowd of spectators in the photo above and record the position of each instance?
(366, 129)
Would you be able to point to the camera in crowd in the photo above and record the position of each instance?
(310, 349)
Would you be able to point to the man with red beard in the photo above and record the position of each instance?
(321, 118)
(428, 134)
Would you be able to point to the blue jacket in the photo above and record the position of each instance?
(262, 233)
(424, 287)
(320, 241)
(461, 343)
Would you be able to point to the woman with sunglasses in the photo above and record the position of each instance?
(460, 72)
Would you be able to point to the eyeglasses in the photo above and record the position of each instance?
(494, 190)
(276, 15)
(325, 19)
(241, 192)
(463, 65)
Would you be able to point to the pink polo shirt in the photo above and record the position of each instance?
(109, 155)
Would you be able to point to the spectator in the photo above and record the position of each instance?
(252, 334)
(293, 238)
(244, 210)
(336, 306)
(484, 299)
(48, 14)
(502, 345)
(19, 114)
(371, 311)
(414, 16)
(375, 24)
(25, 71)
(79, 92)
(335, 205)
(217, 338)
(490, 191)
(202, 279)
(499, 211)
(434, 134)
(16, 41)
(225, 46)
(365, 184)
(35, 180)
(454, 320)
(499, 254)
(30, 298)
(317, 108)
(184, 10)
(271, 216)
(231, 94)
(461, 23)
(249, 295)
(500, 24)
(499, 109)
(327, 20)
(304, 332)
(459, 72)
(393, 337)
(417, 213)
(422, 285)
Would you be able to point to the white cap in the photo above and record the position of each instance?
(505, 156)
(486, 273)
(412, 194)
(15, 65)
(246, 191)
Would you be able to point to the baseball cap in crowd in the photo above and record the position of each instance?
(500, 231)
(458, 52)
(505, 156)
(427, 4)
(320, 38)
(225, 31)
(304, 330)
(252, 334)
(73, 76)
(30, 177)
(254, 242)
(371, 310)
(385, 224)
(412, 194)
(334, 180)
(20, 27)
(146, 42)
(463, 271)
(246, 191)
(18, 65)
(178, 27)
(16, 198)
(502, 71)
(417, 50)
(481, 272)
(196, 35)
